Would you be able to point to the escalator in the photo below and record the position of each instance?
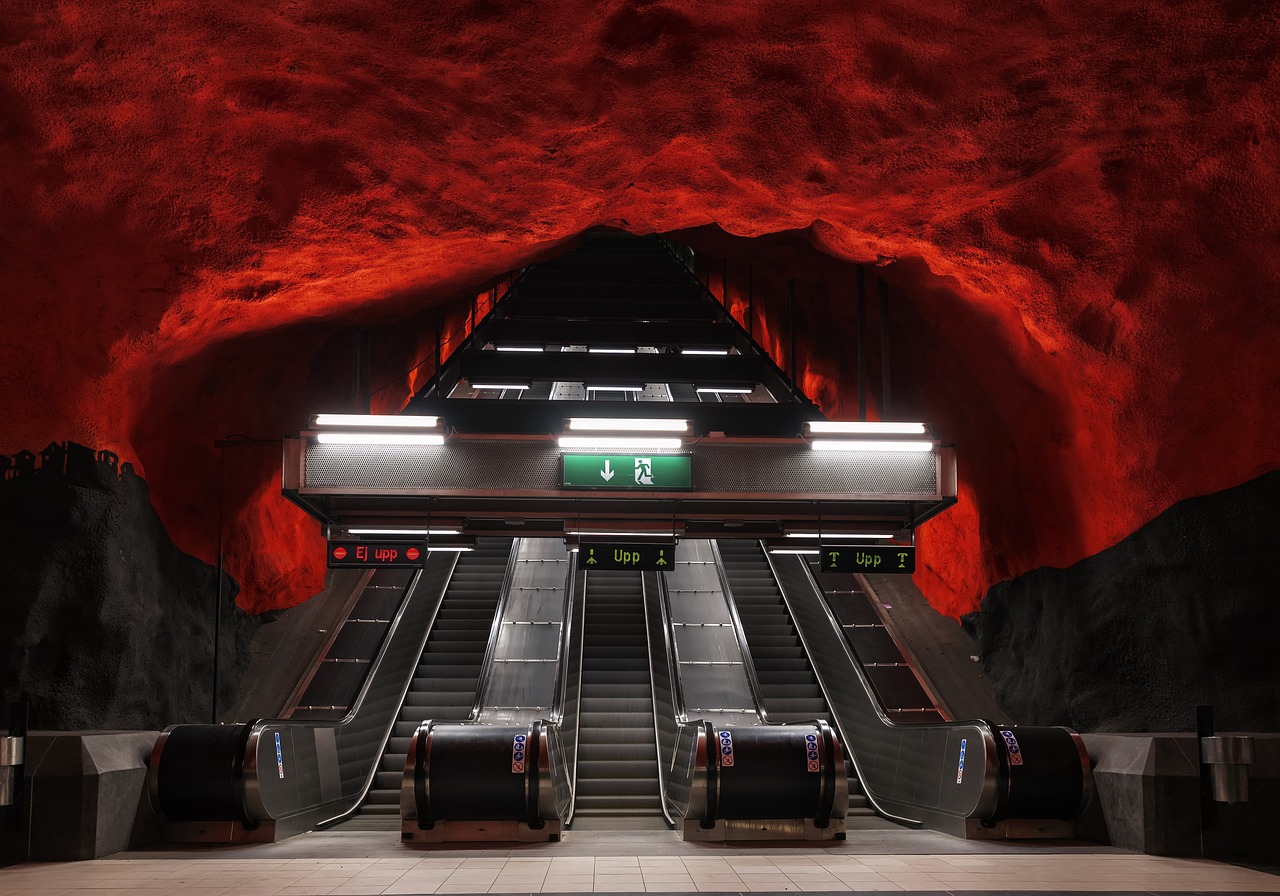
(448, 672)
(617, 753)
(788, 686)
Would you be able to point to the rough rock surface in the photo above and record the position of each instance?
(1181, 613)
(200, 201)
(106, 623)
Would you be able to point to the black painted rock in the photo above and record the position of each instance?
(104, 623)
(1185, 611)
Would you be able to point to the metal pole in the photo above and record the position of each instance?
(862, 343)
(886, 404)
(724, 283)
(791, 332)
(364, 379)
(751, 290)
(217, 606)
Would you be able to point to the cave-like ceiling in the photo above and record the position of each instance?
(199, 200)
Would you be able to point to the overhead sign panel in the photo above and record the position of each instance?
(372, 554)
(635, 472)
(650, 557)
(877, 558)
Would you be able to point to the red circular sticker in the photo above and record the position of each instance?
(339, 552)
(412, 554)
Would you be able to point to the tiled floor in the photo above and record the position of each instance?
(632, 862)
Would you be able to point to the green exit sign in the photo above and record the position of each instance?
(878, 558)
(648, 557)
(656, 472)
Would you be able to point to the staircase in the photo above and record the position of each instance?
(448, 673)
(617, 751)
(790, 690)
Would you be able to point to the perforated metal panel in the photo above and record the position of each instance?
(529, 467)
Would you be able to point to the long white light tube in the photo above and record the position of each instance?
(863, 427)
(628, 424)
(379, 438)
(620, 443)
(869, 445)
(388, 421)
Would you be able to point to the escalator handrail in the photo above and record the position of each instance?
(566, 645)
(748, 663)
(579, 583)
(672, 653)
(495, 630)
(866, 685)
(677, 697)
(258, 727)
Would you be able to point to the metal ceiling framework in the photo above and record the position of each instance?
(500, 468)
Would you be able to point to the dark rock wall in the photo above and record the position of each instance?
(104, 623)
(1185, 611)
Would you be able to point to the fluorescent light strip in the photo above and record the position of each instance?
(611, 351)
(405, 531)
(793, 550)
(588, 533)
(448, 548)
(379, 438)
(627, 424)
(869, 445)
(704, 351)
(389, 421)
(519, 348)
(726, 390)
(836, 535)
(830, 427)
(496, 387)
(621, 443)
(615, 388)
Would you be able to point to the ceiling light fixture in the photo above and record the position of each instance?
(704, 351)
(386, 421)
(620, 443)
(499, 387)
(627, 424)
(826, 535)
(519, 348)
(726, 390)
(870, 445)
(404, 531)
(379, 438)
(863, 427)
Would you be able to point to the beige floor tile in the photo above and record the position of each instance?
(569, 888)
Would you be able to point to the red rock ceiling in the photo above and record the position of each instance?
(200, 201)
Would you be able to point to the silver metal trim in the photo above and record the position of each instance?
(495, 631)
(748, 662)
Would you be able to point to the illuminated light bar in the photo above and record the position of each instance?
(611, 351)
(404, 531)
(518, 387)
(704, 351)
(806, 551)
(627, 424)
(379, 438)
(611, 533)
(825, 535)
(388, 421)
(726, 390)
(615, 388)
(447, 548)
(519, 348)
(620, 443)
(833, 427)
(870, 445)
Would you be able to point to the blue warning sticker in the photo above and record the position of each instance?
(1015, 753)
(960, 768)
(726, 749)
(518, 744)
(279, 756)
(811, 752)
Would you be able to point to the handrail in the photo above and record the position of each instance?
(988, 790)
(796, 394)
(559, 686)
(862, 680)
(748, 663)
(672, 652)
(495, 630)
(250, 792)
(431, 383)
(578, 625)
(673, 682)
